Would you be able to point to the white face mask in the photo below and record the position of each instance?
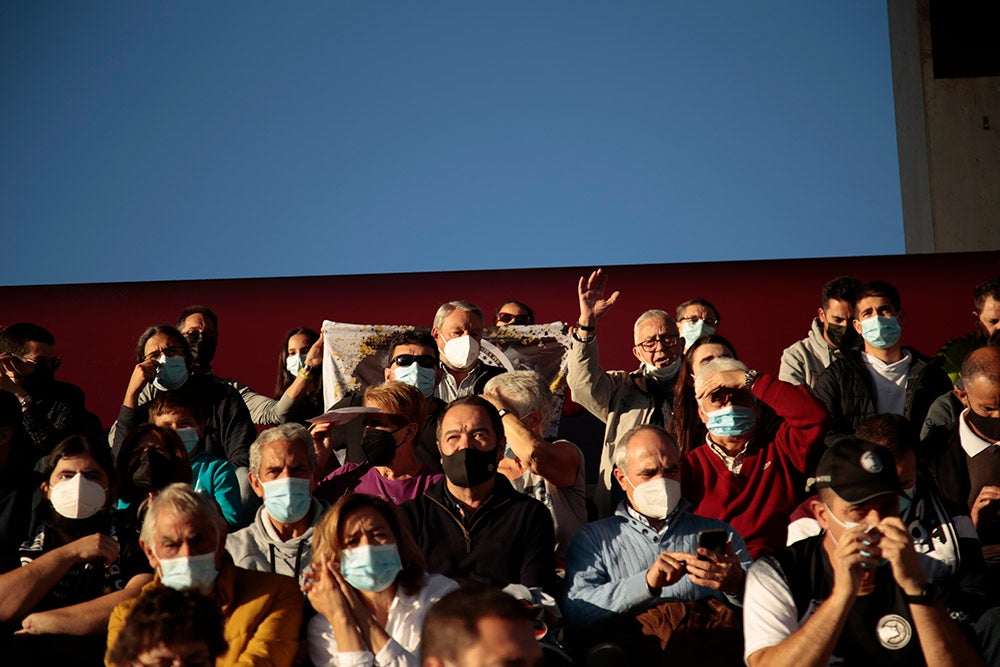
(664, 373)
(846, 525)
(656, 498)
(461, 352)
(78, 497)
(294, 363)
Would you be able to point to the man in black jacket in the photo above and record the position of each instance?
(473, 526)
(885, 376)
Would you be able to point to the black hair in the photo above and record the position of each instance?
(199, 310)
(166, 329)
(984, 289)
(877, 288)
(14, 338)
(841, 288)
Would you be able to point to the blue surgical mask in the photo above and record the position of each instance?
(906, 499)
(189, 436)
(172, 373)
(370, 568)
(189, 572)
(294, 363)
(730, 421)
(881, 332)
(287, 499)
(692, 331)
(417, 376)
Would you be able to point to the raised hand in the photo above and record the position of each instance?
(593, 305)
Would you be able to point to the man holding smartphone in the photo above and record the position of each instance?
(648, 553)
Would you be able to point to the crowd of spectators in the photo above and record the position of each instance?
(846, 512)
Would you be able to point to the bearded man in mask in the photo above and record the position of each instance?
(51, 410)
(75, 569)
(831, 333)
(184, 538)
(746, 474)
(472, 526)
(621, 399)
(648, 553)
(458, 331)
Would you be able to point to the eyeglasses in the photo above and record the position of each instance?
(511, 318)
(172, 351)
(423, 360)
(691, 319)
(41, 363)
(650, 343)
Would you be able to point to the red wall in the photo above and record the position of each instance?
(765, 306)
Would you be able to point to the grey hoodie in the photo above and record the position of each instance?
(258, 547)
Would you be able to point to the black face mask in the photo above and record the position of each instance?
(469, 467)
(842, 336)
(151, 472)
(38, 379)
(379, 446)
(202, 345)
(989, 427)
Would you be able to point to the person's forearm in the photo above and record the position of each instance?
(86, 618)
(942, 643)
(23, 588)
(813, 643)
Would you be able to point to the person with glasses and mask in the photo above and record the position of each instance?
(621, 399)
(392, 470)
(750, 472)
(413, 359)
(51, 410)
(696, 318)
(513, 312)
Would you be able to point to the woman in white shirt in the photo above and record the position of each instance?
(368, 586)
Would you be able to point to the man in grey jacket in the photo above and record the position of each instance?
(282, 463)
(622, 399)
(831, 332)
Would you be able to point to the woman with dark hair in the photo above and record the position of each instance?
(685, 424)
(77, 567)
(368, 585)
(298, 389)
(167, 626)
(151, 458)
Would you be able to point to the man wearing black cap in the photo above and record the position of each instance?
(855, 594)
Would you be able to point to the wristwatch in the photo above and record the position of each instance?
(26, 401)
(751, 376)
(930, 595)
(503, 412)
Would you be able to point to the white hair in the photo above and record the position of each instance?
(653, 313)
(184, 501)
(715, 365)
(621, 449)
(524, 392)
(447, 309)
(290, 431)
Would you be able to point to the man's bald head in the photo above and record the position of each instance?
(982, 363)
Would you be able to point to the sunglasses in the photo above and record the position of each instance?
(511, 318)
(423, 360)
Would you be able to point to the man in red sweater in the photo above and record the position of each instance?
(752, 475)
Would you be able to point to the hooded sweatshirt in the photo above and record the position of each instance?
(258, 546)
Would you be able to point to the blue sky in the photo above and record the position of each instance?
(182, 140)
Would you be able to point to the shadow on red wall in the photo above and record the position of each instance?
(765, 306)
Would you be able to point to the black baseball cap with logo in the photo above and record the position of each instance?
(857, 471)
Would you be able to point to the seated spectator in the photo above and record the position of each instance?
(368, 586)
(986, 318)
(696, 318)
(885, 376)
(168, 627)
(151, 459)
(18, 481)
(748, 474)
(414, 360)
(550, 472)
(392, 471)
(178, 410)
(282, 465)
(476, 627)
(621, 399)
(826, 599)
(183, 537)
(473, 526)
(300, 376)
(51, 410)
(458, 330)
(941, 530)
(832, 332)
(75, 570)
(648, 552)
(163, 359)
(513, 312)
(963, 458)
(686, 425)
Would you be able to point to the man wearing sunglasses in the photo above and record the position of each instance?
(51, 410)
(413, 359)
